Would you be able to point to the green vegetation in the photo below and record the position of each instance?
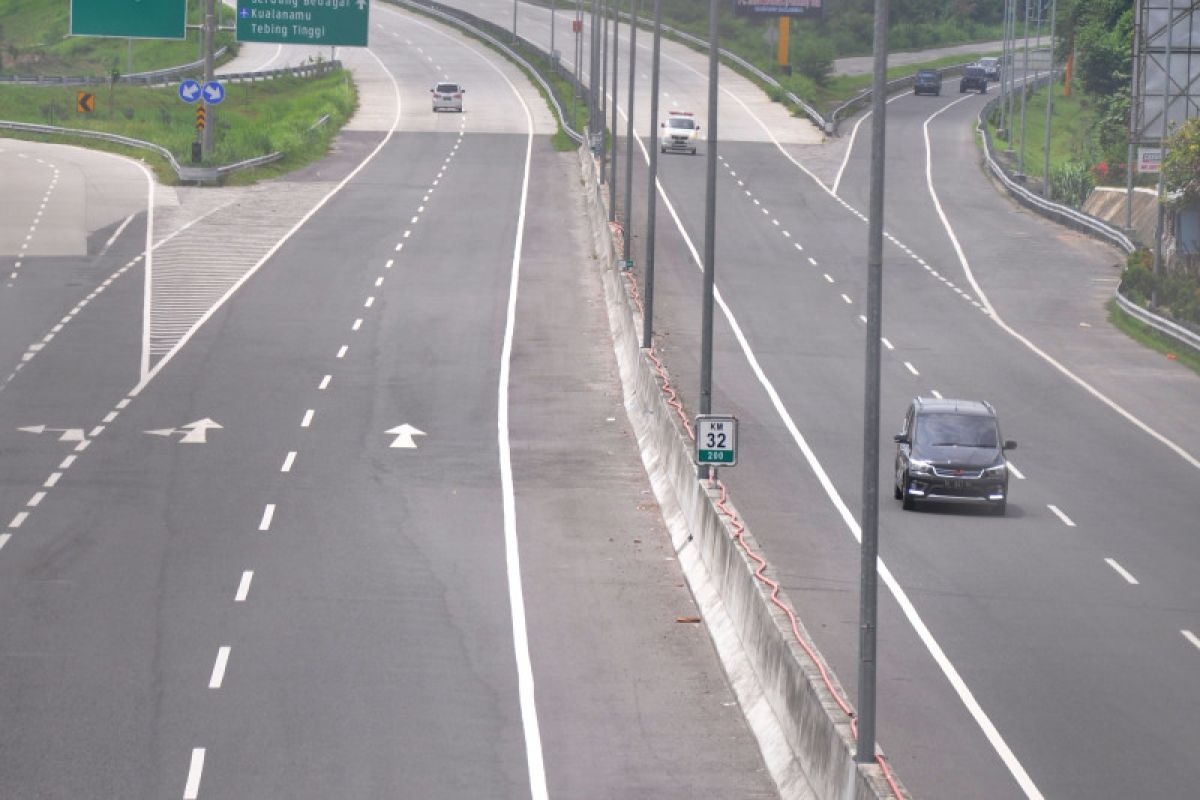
(34, 41)
(1181, 169)
(1149, 337)
(1176, 291)
(255, 119)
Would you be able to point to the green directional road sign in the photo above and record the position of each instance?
(138, 19)
(335, 22)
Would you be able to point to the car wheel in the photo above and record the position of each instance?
(983, 90)
(908, 502)
(896, 493)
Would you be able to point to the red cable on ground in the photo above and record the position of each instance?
(739, 534)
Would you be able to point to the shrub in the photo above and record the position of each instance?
(1071, 183)
(815, 59)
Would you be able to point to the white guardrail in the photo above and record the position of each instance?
(1086, 223)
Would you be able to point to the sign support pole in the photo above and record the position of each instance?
(210, 26)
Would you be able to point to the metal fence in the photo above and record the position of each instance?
(166, 77)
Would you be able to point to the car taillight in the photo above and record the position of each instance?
(458, 96)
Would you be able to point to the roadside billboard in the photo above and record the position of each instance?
(775, 8)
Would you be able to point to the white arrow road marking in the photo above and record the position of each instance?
(68, 434)
(193, 433)
(404, 436)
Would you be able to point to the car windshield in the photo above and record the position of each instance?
(927, 75)
(988, 62)
(447, 88)
(681, 122)
(957, 430)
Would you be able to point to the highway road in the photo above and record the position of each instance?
(323, 487)
(1052, 652)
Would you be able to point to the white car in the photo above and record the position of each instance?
(679, 133)
(447, 96)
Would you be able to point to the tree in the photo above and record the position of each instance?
(1181, 167)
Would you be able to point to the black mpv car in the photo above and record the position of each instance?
(951, 451)
(928, 81)
(973, 78)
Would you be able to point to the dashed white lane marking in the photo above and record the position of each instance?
(908, 365)
(846, 299)
(1058, 513)
(379, 281)
(96, 431)
(288, 462)
(4, 537)
(400, 245)
(887, 343)
(52, 481)
(936, 393)
(370, 302)
(308, 417)
(828, 278)
(413, 221)
(36, 500)
(79, 448)
(67, 462)
(243, 590)
(357, 325)
(341, 353)
(799, 246)
(1013, 469)
(1124, 573)
(812, 261)
(389, 263)
(191, 790)
(109, 417)
(19, 519)
(268, 514)
(218, 670)
(324, 384)
(1191, 637)
(123, 403)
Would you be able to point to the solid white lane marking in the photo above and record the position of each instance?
(1191, 637)
(308, 415)
(268, 514)
(19, 519)
(887, 343)
(1058, 513)
(52, 480)
(218, 670)
(288, 461)
(36, 500)
(243, 590)
(908, 365)
(341, 353)
(191, 791)
(1124, 573)
(67, 462)
(914, 618)
(1016, 472)
(991, 312)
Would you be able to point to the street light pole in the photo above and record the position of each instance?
(616, 58)
(634, 7)
(604, 94)
(1162, 155)
(210, 121)
(652, 193)
(869, 550)
(1046, 192)
(1024, 91)
(710, 218)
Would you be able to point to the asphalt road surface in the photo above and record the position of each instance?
(1052, 652)
(330, 493)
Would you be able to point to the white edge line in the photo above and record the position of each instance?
(148, 376)
(910, 612)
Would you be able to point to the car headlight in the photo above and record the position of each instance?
(919, 467)
(996, 470)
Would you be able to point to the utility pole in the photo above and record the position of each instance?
(652, 193)
(868, 602)
(1024, 91)
(634, 7)
(604, 95)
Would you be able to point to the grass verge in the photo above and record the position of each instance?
(255, 119)
(1153, 339)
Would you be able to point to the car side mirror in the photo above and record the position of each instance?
(462, 89)
(431, 91)
(901, 438)
(1009, 444)
(697, 127)
(662, 124)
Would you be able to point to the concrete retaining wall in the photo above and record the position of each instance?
(816, 730)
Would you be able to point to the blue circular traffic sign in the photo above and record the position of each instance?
(213, 93)
(189, 91)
